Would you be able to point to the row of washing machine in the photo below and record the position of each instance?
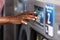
(46, 27)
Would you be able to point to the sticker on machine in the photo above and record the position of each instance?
(50, 30)
(40, 15)
(49, 18)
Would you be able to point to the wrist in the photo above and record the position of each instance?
(4, 20)
(8, 19)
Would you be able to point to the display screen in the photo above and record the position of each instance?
(40, 15)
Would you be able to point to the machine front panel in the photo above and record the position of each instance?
(40, 14)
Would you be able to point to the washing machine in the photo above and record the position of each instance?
(22, 32)
(46, 26)
(8, 28)
(34, 30)
(15, 32)
(47, 23)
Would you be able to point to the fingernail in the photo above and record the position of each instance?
(34, 12)
(25, 23)
(33, 19)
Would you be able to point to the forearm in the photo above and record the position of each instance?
(4, 20)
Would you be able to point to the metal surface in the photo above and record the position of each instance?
(25, 30)
(37, 28)
(9, 28)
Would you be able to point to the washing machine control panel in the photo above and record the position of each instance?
(45, 17)
(40, 15)
(49, 19)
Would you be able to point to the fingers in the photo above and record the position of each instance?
(24, 22)
(27, 13)
(30, 17)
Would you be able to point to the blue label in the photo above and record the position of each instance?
(49, 14)
(40, 15)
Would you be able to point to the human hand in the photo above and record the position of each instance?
(22, 18)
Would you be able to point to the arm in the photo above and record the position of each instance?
(4, 20)
(18, 19)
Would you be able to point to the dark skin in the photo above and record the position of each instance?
(18, 19)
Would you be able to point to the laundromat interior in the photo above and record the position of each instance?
(45, 27)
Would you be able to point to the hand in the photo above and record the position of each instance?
(22, 18)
